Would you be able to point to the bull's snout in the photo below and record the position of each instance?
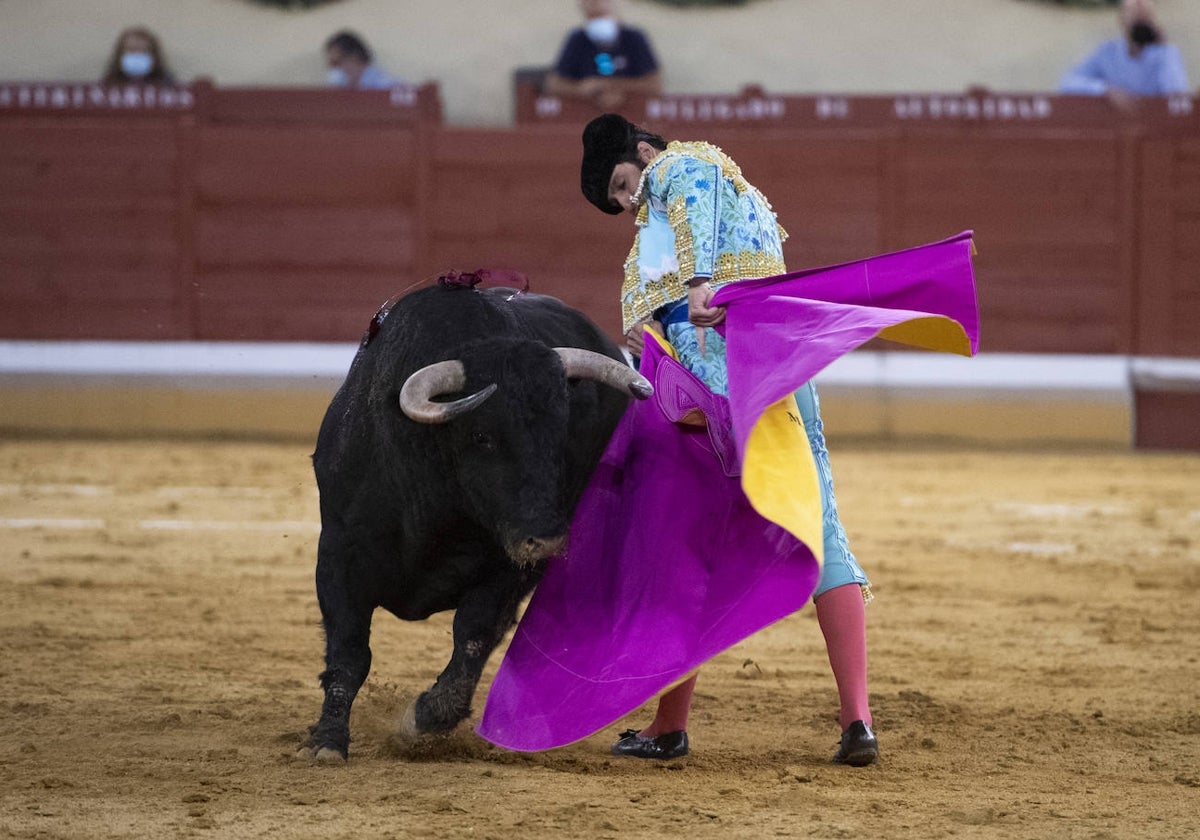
(532, 549)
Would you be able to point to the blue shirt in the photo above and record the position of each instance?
(1156, 71)
(375, 77)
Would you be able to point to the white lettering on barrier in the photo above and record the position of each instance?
(716, 109)
(1179, 106)
(58, 97)
(1002, 108)
(548, 106)
(403, 96)
(832, 108)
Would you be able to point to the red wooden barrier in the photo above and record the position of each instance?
(179, 213)
(290, 214)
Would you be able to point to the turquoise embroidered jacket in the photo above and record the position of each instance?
(698, 217)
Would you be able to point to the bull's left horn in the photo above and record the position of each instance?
(587, 364)
(416, 396)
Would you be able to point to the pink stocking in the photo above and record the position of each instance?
(842, 618)
(673, 708)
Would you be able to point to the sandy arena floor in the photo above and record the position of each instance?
(1034, 668)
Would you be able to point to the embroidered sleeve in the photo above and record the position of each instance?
(692, 191)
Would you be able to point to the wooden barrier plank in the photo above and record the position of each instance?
(1166, 419)
(84, 158)
(305, 165)
(63, 178)
(273, 304)
(277, 304)
(1156, 267)
(68, 287)
(1046, 263)
(136, 137)
(353, 236)
(1049, 155)
(402, 105)
(89, 216)
(28, 252)
(112, 321)
(605, 250)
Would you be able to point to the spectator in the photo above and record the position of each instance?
(137, 56)
(351, 65)
(1139, 63)
(604, 61)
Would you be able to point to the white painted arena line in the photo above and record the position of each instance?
(179, 363)
(226, 525)
(178, 358)
(215, 525)
(174, 492)
(208, 491)
(1059, 511)
(217, 492)
(1040, 548)
(56, 489)
(21, 523)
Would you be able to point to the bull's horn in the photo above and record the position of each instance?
(586, 364)
(416, 397)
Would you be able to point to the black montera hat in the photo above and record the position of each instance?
(605, 144)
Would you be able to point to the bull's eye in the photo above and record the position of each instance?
(483, 440)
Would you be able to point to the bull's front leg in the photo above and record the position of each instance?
(346, 616)
(481, 619)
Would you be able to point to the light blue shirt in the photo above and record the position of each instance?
(1156, 71)
(374, 78)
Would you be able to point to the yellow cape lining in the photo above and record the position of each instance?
(779, 475)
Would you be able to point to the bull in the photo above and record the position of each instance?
(448, 465)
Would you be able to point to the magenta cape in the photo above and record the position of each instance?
(693, 535)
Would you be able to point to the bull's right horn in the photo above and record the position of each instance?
(587, 364)
(416, 397)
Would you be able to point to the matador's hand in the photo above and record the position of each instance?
(701, 312)
(634, 339)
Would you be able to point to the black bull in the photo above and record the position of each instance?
(448, 464)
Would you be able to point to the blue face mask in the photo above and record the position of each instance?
(137, 65)
(336, 76)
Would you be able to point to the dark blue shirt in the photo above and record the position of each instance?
(630, 57)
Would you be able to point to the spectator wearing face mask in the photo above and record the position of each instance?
(1140, 63)
(137, 57)
(351, 65)
(604, 61)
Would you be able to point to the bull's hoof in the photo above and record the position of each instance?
(411, 734)
(326, 739)
(329, 757)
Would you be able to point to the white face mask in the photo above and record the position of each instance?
(136, 64)
(602, 30)
(337, 77)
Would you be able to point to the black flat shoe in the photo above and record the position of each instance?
(663, 747)
(859, 747)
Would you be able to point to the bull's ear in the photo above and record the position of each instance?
(587, 364)
(448, 377)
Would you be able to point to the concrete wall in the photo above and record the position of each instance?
(471, 47)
